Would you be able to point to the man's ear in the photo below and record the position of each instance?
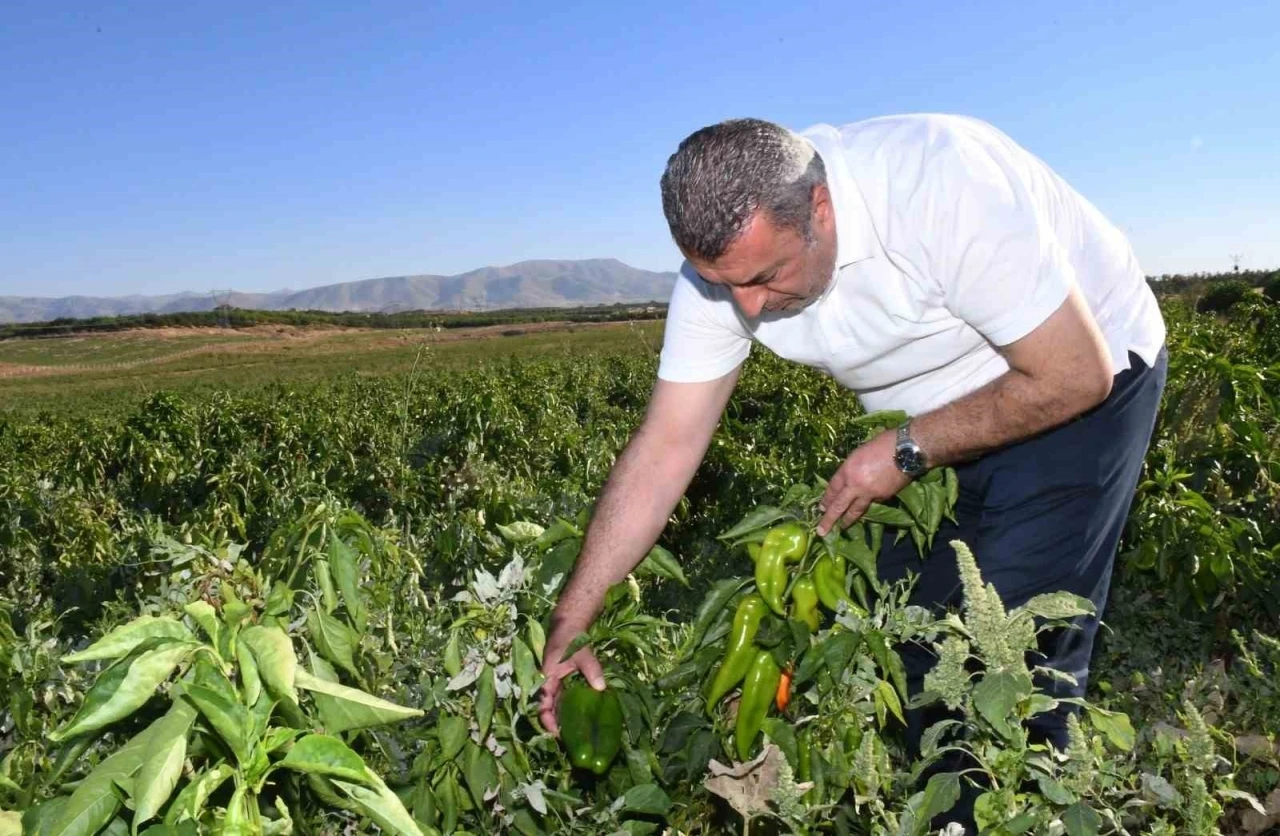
(821, 201)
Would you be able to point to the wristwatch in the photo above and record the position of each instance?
(907, 454)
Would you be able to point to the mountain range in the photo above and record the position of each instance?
(528, 284)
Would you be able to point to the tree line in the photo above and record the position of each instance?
(1205, 290)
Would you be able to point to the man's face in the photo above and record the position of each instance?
(773, 269)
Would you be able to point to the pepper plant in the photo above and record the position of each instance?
(238, 706)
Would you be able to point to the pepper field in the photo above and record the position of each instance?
(313, 598)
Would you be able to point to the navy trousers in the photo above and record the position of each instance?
(1042, 515)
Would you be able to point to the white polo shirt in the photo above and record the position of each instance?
(951, 239)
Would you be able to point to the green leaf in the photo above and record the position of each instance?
(758, 517)
(123, 639)
(381, 805)
(1057, 605)
(1081, 820)
(452, 732)
(39, 819)
(321, 754)
(158, 776)
(838, 651)
(1055, 791)
(481, 773)
(721, 593)
(561, 529)
(579, 641)
(888, 659)
(117, 827)
(1115, 725)
(124, 688)
(10, 823)
(96, 800)
(885, 692)
(888, 515)
(646, 799)
(276, 738)
(537, 640)
(930, 740)
(342, 708)
(452, 655)
(190, 803)
(250, 681)
(997, 696)
(880, 419)
(344, 563)
(230, 719)
(781, 733)
(277, 664)
(335, 640)
(280, 600)
(940, 795)
(520, 532)
(486, 696)
(661, 563)
(854, 549)
(524, 667)
(558, 563)
(1241, 795)
(203, 613)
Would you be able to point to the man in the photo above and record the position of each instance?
(931, 265)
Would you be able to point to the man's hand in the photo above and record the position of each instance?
(554, 671)
(642, 490)
(868, 475)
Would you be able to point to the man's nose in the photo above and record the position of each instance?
(750, 299)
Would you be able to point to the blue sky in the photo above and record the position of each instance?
(150, 147)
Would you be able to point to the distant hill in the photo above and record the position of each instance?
(529, 284)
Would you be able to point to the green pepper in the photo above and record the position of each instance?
(804, 767)
(791, 538)
(786, 543)
(804, 602)
(828, 575)
(590, 726)
(804, 744)
(753, 549)
(758, 693)
(737, 660)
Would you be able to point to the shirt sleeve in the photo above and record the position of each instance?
(989, 240)
(703, 338)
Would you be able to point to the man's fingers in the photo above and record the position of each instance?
(547, 707)
(835, 507)
(550, 690)
(583, 661)
(590, 668)
(832, 494)
(855, 511)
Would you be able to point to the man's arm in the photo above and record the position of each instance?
(642, 490)
(1056, 372)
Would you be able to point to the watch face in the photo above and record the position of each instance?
(908, 459)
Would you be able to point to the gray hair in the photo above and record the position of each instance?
(722, 174)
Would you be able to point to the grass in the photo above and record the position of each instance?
(240, 362)
(107, 349)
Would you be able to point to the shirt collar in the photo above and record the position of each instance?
(855, 236)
